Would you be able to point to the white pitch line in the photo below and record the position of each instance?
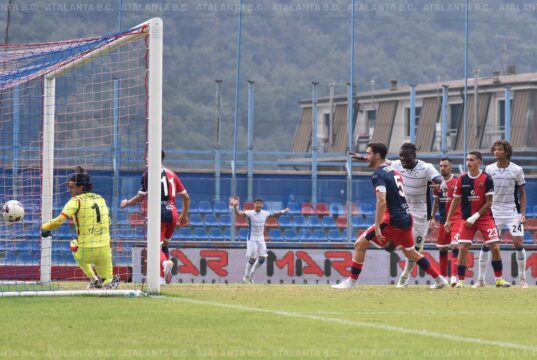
(424, 312)
(397, 329)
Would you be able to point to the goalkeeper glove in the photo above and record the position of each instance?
(472, 219)
(46, 233)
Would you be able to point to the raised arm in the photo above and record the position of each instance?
(277, 214)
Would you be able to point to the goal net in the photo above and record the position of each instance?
(94, 103)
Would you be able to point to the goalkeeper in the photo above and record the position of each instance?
(91, 217)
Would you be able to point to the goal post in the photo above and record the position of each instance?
(101, 98)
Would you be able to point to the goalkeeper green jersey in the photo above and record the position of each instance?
(92, 220)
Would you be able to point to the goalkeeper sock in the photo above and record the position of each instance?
(521, 261)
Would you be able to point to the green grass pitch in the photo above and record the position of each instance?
(276, 321)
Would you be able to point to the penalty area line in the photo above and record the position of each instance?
(361, 324)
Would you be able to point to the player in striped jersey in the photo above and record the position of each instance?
(442, 202)
(417, 175)
(508, 207)
(169, 217)
(393, 222)
(473, 193)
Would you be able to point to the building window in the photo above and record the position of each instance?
(501, 114)
(455, 115)
(371, 120)
(407, 120)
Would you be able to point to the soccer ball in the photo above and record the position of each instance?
(12, 211)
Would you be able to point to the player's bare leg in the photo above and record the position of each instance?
(425, 265)
(360, 248)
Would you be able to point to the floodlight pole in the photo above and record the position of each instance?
(250, 180)
(314, 145)
(236, 120)
(507, 107)
(465, 120)
(443, 136)
(350, 108)
(217, 142)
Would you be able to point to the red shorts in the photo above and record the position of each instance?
(486, 226)
(169, 218)
(400, 237)
(446, 239)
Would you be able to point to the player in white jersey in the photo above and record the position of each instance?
(508, 207)
(417, 175)
(256, 249)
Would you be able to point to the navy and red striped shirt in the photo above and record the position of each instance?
(473, 193)
(386, 179)
(444, 200)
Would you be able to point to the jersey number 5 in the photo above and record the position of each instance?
(399, 184)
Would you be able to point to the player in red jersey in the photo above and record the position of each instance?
(393, 222)
(473, 193)
(171, 185)
(442, 202)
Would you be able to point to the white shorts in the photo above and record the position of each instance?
(513, 224)
(255, 248)
(420, 228)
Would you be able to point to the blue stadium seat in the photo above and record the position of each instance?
(535, 210)
(369, 220)
(318, 235)
(193, 207)
(290, 235)
(57, 258)
(313, 222)
(25, 258)
(215, 234)
(227, 234)
(210, 220)
(528, 238)
(184, 233)
(366, 208)
(200, 234)
(275, 235)
(359, 222)
(299, 221)
(221, 207)
(243, 234)
(329, 222)
(225, 220)
(11, 259)
(294, 208)
(205, 207)
(36, 246)
(23, 246)
(353, 234)
(304, 235)
(195, 220)
(333, 235)
(285, 221)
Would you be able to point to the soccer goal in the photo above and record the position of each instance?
(95, 103)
